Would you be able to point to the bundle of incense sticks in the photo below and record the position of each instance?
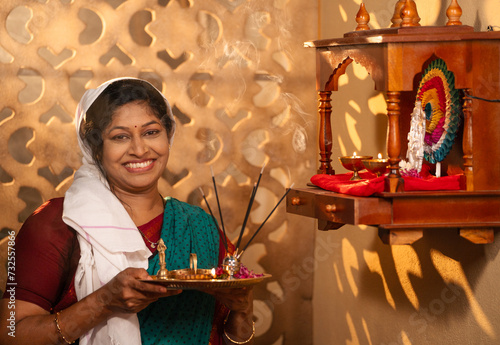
(249, 207)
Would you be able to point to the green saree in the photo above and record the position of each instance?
(185, 318)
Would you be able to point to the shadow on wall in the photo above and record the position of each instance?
(440, 290)
(423, 290)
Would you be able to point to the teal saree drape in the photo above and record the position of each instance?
(185, 318)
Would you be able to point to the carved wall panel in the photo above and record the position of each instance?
(242, 89)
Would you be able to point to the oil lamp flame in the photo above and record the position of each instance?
(379, 156)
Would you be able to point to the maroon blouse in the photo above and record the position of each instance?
(47, 254)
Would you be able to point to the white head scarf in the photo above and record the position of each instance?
(108, 238)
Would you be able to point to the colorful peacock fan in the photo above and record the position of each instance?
(440, 102)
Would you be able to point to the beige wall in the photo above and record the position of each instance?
(242, 87)
(440, 290)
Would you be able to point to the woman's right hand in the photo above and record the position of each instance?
(126, 292)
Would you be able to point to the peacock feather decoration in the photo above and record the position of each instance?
(441, 105)
(435, 118)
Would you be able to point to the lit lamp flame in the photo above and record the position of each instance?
(379, 156)
(354, 154)
(213, 273)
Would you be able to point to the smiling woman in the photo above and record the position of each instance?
(94, 246)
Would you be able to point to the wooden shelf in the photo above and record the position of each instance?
(402, 217)
(396, 58)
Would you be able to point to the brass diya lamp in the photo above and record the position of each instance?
(354, 163)
(191, 273)
(376, 166)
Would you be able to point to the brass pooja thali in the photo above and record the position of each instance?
(194, 284)
(194, 278)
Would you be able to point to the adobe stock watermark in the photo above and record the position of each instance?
(11, 284)
(297, 274)
(421, 319)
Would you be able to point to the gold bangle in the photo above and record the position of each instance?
(238, 342)
(241, 342)
(56, 320)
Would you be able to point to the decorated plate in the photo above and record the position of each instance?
(187, 284)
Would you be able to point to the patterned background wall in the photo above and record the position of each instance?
(242, 88)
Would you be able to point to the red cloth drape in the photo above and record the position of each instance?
(371, 184)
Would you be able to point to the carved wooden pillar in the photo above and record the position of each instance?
(325, 133)
(394, 181)
(467, 141)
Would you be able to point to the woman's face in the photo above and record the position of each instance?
(135, 149)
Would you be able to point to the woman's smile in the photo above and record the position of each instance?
(139, 166)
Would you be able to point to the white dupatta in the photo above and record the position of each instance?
(108, 238)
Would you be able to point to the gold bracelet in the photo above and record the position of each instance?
(241, 342)
(56, 320)
(238, 342)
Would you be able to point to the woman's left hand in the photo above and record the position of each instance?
(236, 299)
(238, 326)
